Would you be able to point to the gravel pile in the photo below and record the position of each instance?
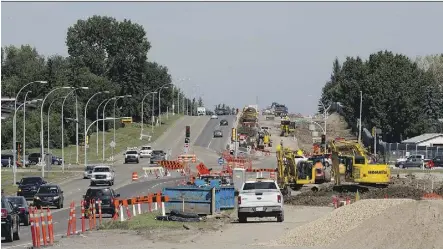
(414, 225)
(325, 230)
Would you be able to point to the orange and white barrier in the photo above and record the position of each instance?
(123, 206)
(154, 171)
(134, 176)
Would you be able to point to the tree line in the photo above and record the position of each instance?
(401, 96)
(104, 55)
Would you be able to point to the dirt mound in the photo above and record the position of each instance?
(324, 196)
(413, 225)
(330, 227)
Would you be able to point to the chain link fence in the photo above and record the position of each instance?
(393, 151)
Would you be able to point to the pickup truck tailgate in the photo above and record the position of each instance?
(259, 197)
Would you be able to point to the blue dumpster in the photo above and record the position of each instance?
(192, 199)
(227, 197)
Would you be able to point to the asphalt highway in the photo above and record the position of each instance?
(206, 138)
(172, 139)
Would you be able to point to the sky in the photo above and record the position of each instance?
(240, 52)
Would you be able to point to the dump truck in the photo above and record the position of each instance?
(249, 115)
(280, 110)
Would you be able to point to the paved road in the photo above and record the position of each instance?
(172, 139)
(206, 138)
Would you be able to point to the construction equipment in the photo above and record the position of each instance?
(292, 175)
(355, 168)
(284, 127)
(250, 114)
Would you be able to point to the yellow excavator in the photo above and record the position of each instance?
(290, 173)
(350, 164)
(284, 127)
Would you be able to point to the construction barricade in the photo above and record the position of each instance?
(42, 227)
(123, 207)
(155, 172)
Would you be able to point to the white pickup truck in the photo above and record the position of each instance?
(260, 198)
(102, 175)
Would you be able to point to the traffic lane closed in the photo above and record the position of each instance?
(60, 219)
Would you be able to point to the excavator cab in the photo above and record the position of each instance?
(284, 127)
(305, 172)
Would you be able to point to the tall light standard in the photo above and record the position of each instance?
(86, 112)
(14, 168)
(86, 131)
(159, 105)
(14, 126)
(41, 126)
(104, 119)
(49, 110)
(96, 117)
(143, 101)
(24, 127)
(63, 123)
(115, 104)
(179, 81)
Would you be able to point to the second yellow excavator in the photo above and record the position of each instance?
(355, 168)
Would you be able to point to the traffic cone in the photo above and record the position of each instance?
(134, 176)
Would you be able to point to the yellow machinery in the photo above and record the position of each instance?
(352, 158)
(292, 175)
(284, 127)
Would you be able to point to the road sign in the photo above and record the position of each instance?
(112, 144)
(221, 161)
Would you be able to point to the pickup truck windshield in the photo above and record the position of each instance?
(132, 152)
(146, 148)
(101, 169)
(259, 185)
(103, 194)
(157, 152)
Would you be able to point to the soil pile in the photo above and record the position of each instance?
(324, 196)
(412, 225)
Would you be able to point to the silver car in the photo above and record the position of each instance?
(88, 172)
(218, 133)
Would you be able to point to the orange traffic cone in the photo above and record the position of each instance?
(134, 176)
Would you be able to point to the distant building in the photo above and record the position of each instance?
(427, 139)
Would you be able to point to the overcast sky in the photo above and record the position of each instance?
(236, 52)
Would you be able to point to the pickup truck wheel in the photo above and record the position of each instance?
(16, 235)
(280, 217)
(9, 236)
(242, 218)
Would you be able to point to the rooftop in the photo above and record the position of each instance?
(422, 138)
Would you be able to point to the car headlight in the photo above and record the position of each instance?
(56, 197)
(36, 197)
(19, 190)
(108, 177)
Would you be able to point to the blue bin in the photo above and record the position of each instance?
(215, 183)
(227, 197)
(192, 200)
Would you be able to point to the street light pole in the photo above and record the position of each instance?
(49, 110)
(14, 119)
(103, 129)
(63, 124)
(86, 133)
(41, 126)
(159, 104)
(152, 115)
(24, 129)
(96, 117)
(115, 104)
(14, 126)
(143, 101)
(86, 112)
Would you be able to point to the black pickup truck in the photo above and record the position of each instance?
(29, 186)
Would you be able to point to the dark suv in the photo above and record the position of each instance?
(10, 221)
(49, 195)
(34, 158)
(28, 186)
(105, 195)
(21, 203)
